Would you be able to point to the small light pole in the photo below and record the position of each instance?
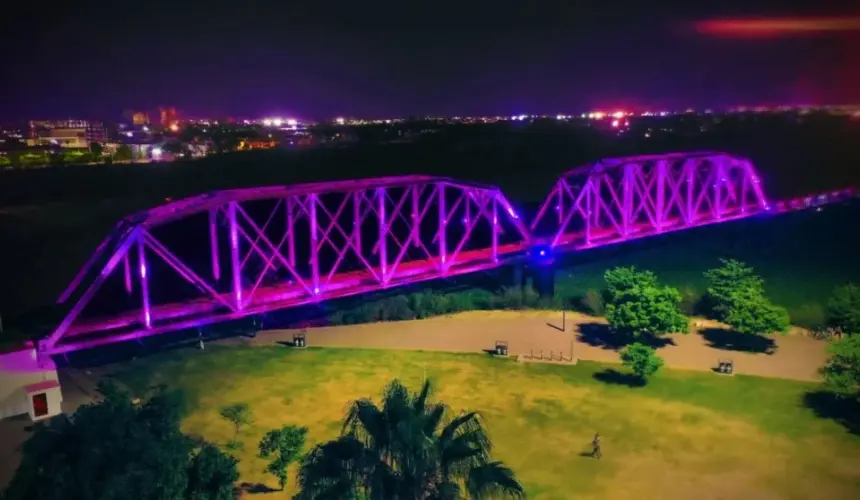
(563, 320)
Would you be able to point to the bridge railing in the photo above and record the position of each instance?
(620, 199)
(275, 247)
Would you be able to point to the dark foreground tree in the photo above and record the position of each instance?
(115, 450)
(638, 306)
(406, 448)
(283, 446)
(211, 475)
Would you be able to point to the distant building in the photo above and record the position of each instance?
(248, 144)
(65, 133)
(140, 118)
(169, 117)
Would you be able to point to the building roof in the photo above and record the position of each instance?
(42, 386)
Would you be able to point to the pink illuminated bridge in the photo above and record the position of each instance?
(243, 252)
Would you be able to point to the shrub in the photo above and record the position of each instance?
(810, 315)
(842, 371)
(641, 359)
(395, 308)
(691, 301)
(843, 309)
(515, 297)
(593, 303)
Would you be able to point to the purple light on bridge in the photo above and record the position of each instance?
(393, 231)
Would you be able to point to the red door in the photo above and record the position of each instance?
(40, 404)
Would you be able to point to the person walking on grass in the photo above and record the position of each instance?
(595, 446)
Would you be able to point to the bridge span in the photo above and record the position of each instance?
(229, 254)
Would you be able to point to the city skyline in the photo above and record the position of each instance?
(391, 59)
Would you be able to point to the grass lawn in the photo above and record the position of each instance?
(685, 435)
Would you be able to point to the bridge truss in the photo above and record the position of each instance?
(621, 199)
(275, 247)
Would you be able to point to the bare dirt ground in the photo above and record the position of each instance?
(792, 356)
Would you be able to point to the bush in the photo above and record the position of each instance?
(640, 358)
(396, 308)
(691, 301)
(843, 309)
(810, 315)
(842, 371)
(593, 303)
(515, 297)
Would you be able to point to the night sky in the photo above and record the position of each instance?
(319, 58)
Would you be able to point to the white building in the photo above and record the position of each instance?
(29, 385)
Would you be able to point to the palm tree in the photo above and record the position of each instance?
(406, 449)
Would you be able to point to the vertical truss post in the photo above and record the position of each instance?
(495, 223)
(290, 215)
(589, 196)
(443, 228)
(719, 180)
(383, 231)
(415, 229)
(235, 264)
(315, 265)
(560, 207)
(144, 282)
(213, 244)
(660, 201)
(126, 273)
(628, 186)
(356, 220)
(690, 167)
(750, 173)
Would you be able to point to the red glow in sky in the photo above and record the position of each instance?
(776, 27)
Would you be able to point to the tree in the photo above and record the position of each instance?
(211, 475)
(113, 449)
(639, 306)
(642, 359)
(407, 448)
(842, 371)
(737, 297)
(284, 446)
(843, 309)
(97, 150)
(238, 414)
(751, 313)
(733, 277)
(123, 153)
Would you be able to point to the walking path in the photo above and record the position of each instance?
(791, 356)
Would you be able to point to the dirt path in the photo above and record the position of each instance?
(791, 356)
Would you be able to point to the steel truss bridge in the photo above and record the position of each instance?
(274, 247)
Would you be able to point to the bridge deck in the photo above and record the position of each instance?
(183, 315)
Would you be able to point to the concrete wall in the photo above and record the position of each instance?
(17, 370)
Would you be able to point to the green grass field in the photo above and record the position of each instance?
(684, 435)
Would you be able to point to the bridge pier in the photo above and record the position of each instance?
(543, 279)
(537, 274)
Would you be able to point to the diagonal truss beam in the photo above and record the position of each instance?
(304, 244)
(628, 198)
